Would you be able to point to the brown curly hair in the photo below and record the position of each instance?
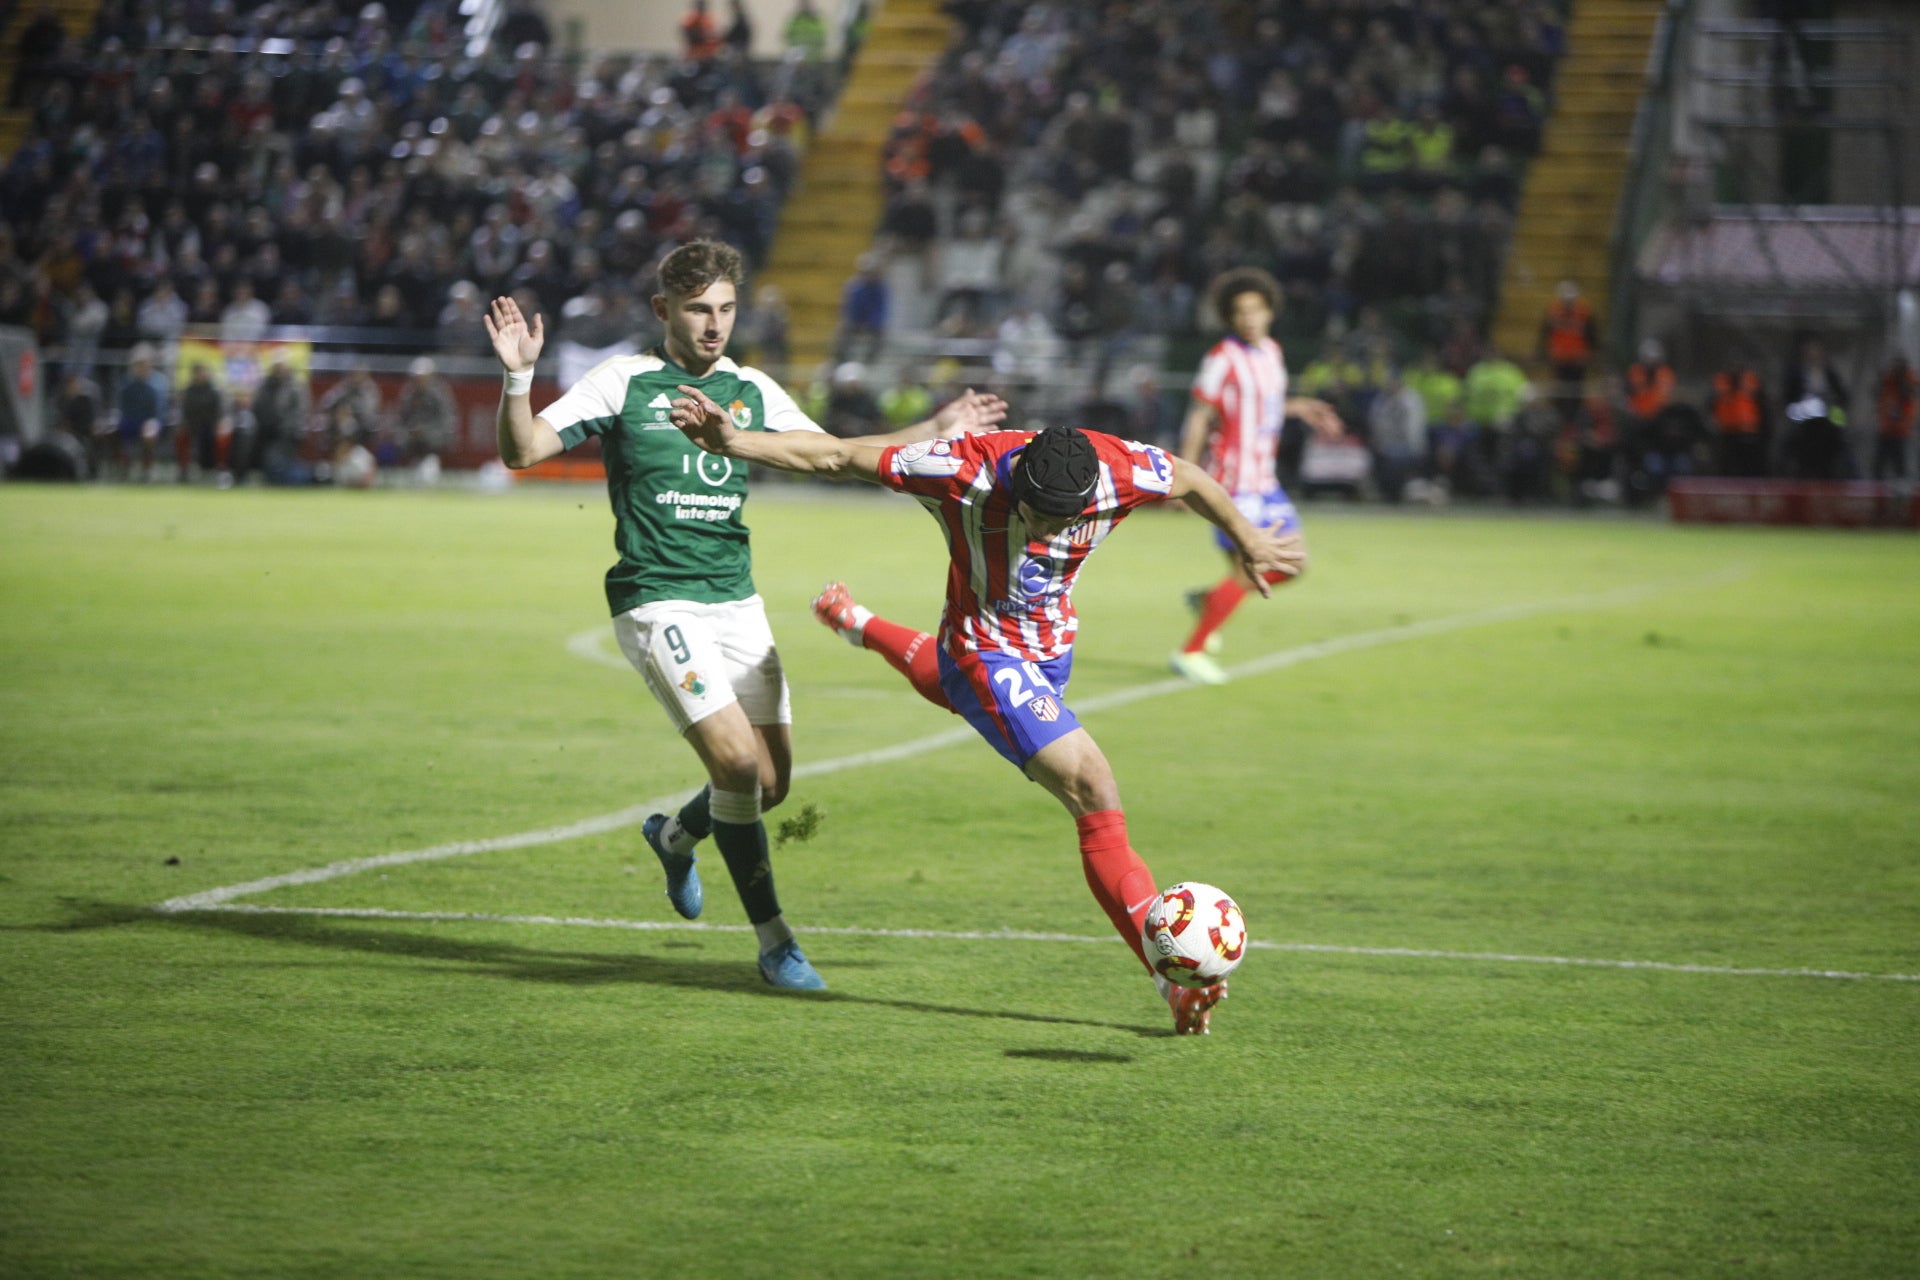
(697, 266)
(1231, 284)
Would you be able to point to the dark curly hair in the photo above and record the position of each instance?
(697, 266)
(1231, 284)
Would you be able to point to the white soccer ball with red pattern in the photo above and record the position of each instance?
(1195, 934)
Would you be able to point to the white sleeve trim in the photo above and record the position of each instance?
(782, 413)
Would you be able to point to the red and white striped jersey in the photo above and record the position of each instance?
(1006, 591)
(1247, 385)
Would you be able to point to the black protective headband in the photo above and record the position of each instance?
(1057, 473)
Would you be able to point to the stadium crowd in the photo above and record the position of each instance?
(1061, 188)
(254, 165)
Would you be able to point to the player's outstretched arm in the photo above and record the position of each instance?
(804, 452)
(1259, 550)
(1199, 424)
(523, 438)
(965, 414)
(1317, 414)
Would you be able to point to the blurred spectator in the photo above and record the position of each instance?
(246, 318)
(523, 25)
(1649, 384)
(906, 401)
(86, 320)
(202, 409)
(1898, 406)
(76, 410)
(739, 36)
(851, 408)
(350, 411)
(698, 34)
(1815, 406)
(806, 32)
(141, 414)
(280, 408)
(969, 271)
(162, 318)
(1569, 340)
(1397, 435)
(764, 331)
(243, 440)
(1739, 422)
(863, 311)
(428, 415)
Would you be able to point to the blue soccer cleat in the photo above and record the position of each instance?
(683, 882)
(784, 966)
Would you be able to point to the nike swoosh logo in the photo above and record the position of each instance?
(1141, 905)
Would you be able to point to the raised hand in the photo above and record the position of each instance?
(701, 420)
(1266, 553)
(517, 345)
(970, 412)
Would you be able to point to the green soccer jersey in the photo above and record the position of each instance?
(676, 509)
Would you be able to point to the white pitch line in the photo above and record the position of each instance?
(635, 814)
(584, 645)
(1018, 935)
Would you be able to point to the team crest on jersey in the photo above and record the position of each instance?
(742, 415)
(693, 684)
(1046, 708)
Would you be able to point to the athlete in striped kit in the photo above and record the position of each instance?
(1240, 402)
(1021, 513)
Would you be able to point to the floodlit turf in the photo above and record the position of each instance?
(1689, 746)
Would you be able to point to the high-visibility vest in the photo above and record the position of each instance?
(1899, 404)
(1567, 341)
(1736, 402)
(1649, 388)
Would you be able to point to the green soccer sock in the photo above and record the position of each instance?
(744, 846)
(696, 817)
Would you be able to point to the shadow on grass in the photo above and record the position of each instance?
(1068, 1055)
(530, 964)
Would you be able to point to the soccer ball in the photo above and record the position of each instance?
(1195, 934)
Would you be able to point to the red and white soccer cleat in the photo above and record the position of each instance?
(1193, 1006)
(835, 608)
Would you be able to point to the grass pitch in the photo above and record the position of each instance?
(1694, 747)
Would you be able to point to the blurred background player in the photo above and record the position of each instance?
(684, 608)
(1021, 513)
(1240, 403)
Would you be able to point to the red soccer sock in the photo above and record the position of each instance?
(909, 652)
(1221, 602)
(1120, 881)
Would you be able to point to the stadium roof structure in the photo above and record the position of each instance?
(1809, 254)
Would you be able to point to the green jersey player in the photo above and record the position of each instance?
(682, 596)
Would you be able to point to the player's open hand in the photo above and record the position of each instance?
(1318, 415)
(1266, 553)
(514, 341)
(970, 412)
(701, 420)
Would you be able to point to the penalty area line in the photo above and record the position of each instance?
(635, 814)
(1018, 935)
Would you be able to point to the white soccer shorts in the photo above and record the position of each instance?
(698, 658)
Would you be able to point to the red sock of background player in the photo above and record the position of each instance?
(909, 652)
(1119, 879)
(1219, 606)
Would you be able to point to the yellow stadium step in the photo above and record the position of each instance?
(1565, 225)
(829, 220)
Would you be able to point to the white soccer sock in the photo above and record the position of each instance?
(772, 933)
(852, 634)
(676, 837)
